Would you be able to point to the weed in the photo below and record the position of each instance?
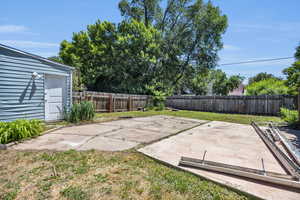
(74, 193)
(126, 188)
(10, 195)
(45, 186)
(100, 178)
(12, 188)
(81, 169)
(106, 190)
(155, 191)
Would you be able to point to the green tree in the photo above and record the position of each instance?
(112, 58)
(261, 76)
(267, 87)
(293, 74)
(217, 80)
(154, 44)
(144, 10)
(297, 54)
(293, 78)
(56, 59)
(191, 31)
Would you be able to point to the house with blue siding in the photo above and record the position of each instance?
(33, 87)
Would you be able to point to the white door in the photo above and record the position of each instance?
(55, 95)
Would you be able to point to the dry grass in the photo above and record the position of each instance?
(108, 175)
(99, 175)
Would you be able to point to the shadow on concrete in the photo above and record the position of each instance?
(293, 135)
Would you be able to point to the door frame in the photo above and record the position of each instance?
(64, 98)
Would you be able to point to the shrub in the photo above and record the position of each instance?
(19, 129)
(289, 116)
(159, 99)
(83, 111)
(267, 87)
(159, 95)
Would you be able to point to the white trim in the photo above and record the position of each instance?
(71, 89)
(64, 96)
(44, 96)
(57, 74)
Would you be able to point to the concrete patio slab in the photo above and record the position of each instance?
(227, 143)
(136, 135)
(107, 144)
(58, 142)
(111, 136)
(167, 124)
(125, 123)
(87, 130)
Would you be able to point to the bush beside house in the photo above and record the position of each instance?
(20, 129)
(83, 111)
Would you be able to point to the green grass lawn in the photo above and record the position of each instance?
(234, 118)
(87, 175)
(99, 175)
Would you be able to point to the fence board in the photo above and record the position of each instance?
(255, 105)
(112, 102)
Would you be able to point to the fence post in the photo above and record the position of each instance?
(214, 104)
(110, 103)
(81, 97)
(266, 104)
(129, 104)
(84, 95)
(92, 100)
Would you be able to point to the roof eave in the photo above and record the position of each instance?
(36, 57)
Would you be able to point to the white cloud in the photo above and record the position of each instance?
(28, 44)
(12, 29)
(231, 47)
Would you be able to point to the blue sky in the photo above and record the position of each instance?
(258, 29)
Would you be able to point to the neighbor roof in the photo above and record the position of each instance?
(35, 57)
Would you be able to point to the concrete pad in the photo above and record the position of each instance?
(115, 135)
(158, 122)
(170, 126)
(227, 143)
(53, 142)
(124, 123)
(164, 117)
(167, 124)
(136, 135)
(86, 130)
(108, 144)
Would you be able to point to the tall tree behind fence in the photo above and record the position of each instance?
(112, 102)
(256, 105)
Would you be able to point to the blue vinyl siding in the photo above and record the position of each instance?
(20, 96)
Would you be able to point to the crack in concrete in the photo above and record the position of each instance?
(93, 137)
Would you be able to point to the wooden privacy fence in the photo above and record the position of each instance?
(112, 102)
(257, 105)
